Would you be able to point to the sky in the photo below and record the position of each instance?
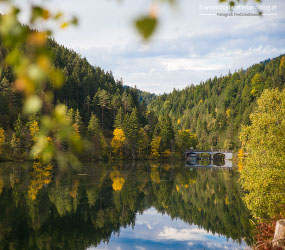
(153, 230)
(191, 44)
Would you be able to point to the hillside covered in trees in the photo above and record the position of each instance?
(215, 109)
(113, 117)
(125, 122)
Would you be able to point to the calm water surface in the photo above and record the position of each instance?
(121, 206)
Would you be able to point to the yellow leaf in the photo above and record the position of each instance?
(64, 25)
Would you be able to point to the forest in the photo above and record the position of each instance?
(113, 117)
(57, 109)
(121, 121)
(216, 109)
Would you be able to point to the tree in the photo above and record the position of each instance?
(263, 166)
(118, 142)
(99, 144)
(94, 126)
(4, 85)
(126, 101)
(34, 130)
(167, 106)
(17, 136)
(155, 146)
(2, 139)
(256, 84)
(104, 100)
(15, 142)
(142, 141)
(131, 129)
(87, 103)
(185, 140)
(70, 115)
(166, 132)
(282, 69)
(18, 126)
(116, 104)
(78, 124)
(119, 121)
(29, 50)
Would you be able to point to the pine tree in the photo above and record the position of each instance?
(131, 129)
(119, 121)
(94, 126)
(99, 145)
(18, 126)
(166, 132)
(116, 104)
(127, 101)
(104, 100)
(87, 103)
(70, 115)
(78, 121)
(142, 141)
(15, 142)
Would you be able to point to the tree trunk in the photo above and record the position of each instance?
(279, 236)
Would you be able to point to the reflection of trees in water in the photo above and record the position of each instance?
(40, 176)
(206, 162)
(77, 211)
(219, 162)
(210, 199)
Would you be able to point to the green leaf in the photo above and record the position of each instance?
(146, 26)
(74, 21)
(37, 12)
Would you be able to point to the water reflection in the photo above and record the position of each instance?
(210, 163)
(154, 230)
(83, 208)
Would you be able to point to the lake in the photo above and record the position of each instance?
(136, 205)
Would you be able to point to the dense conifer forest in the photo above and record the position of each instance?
(215, 109)
(112, 116)
(125, 122)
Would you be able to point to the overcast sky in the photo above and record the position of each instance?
(189, 46)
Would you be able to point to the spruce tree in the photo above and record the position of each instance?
(70, 115)
(166, 132)
(78, 122)
(116, 104)
(132, 128)
(119, 121)
(103, 102)
(127, 101)
(94, 126)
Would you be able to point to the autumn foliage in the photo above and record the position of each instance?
(40, 176)
(118, 142)
(263, 169)
(2, 139)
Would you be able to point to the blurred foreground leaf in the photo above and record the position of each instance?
(146, 26)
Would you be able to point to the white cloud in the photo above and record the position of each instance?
(170, 233)
(140, 248)
(188, 48)
(189, 64)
